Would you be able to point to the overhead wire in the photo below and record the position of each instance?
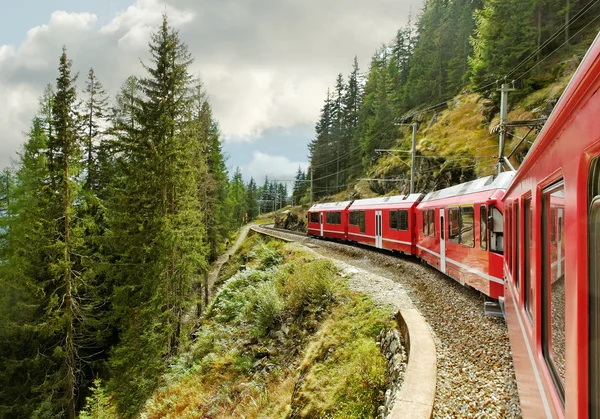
(573, 19)
(556, 49)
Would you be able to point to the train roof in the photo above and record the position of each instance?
(342, 205)
(488, 183)
(387, 200)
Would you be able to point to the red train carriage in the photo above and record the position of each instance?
(460, 232)
(386, 223)
(552, 264)
(329, 220)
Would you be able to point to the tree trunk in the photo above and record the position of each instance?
(69, 342)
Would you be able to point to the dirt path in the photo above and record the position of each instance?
(214, 273)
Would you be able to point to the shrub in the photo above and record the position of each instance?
(266, 309)
(310, 284)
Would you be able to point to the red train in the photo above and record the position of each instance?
(471, 214)
(552, 264)
(543, 255)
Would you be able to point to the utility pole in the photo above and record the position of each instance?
(311, 185)
(503, 115)
(413, 153)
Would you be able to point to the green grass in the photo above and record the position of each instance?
(283, 337)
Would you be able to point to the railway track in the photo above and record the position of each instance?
(475, 372)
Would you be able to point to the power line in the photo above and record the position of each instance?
(557, 48)
(577, 16)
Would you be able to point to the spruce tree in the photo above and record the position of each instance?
(156, 222)
(252, 199)
(93, 114)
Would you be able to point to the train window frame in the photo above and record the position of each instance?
(398, 220)
(464, 209)
(593, 201)
(431, 220)
(528, 278)
(547, 293)
(393, 219)
(357, 219)
(516, 249)
(314, 217)
(403, 220)
(333, 217)
(483, 240)
(454, 216)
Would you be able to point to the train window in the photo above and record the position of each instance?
(314, 217)
(527, 256)
(431, 220)
(594, 287)
(425, 222)
(333, 217)
(399, 220)
(483, 227)
(403, 220)
(467, 232)
(453, 224)
(553, 285)
(393, 220)
(357, 218)
(516, 248)
(495, 230)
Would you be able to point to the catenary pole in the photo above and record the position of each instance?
(413, 153)
(503, 115)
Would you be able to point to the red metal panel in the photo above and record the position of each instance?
(563, 150)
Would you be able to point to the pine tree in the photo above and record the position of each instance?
(94, 113)
(252, 199)
(156, 222)
(44, 258)
(237, 199)
(352, 105)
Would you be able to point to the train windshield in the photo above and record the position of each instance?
(496, 228)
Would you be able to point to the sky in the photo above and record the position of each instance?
(266, 64)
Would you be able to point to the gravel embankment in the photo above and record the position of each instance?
(475, 378)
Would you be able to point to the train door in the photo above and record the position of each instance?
(321, 221)
(442, 242)
(378, 241)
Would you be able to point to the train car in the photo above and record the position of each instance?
(460, 232)
(552, 263)
(385, 223)
(329, 220)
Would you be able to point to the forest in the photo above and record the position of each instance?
(117, 206)
(455, 47)
(108, 225)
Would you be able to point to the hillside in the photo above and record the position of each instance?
(362, 138)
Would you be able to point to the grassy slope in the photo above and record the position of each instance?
(283, 337)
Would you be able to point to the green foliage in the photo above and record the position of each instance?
(310, 285)
(344, 372)
(98, 404)
(266, 309)
(250, 337)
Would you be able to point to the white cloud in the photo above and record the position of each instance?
(264, 63)
(275, 167)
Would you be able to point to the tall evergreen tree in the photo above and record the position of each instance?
(252, 196)
(94, 114)
(156, 222)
